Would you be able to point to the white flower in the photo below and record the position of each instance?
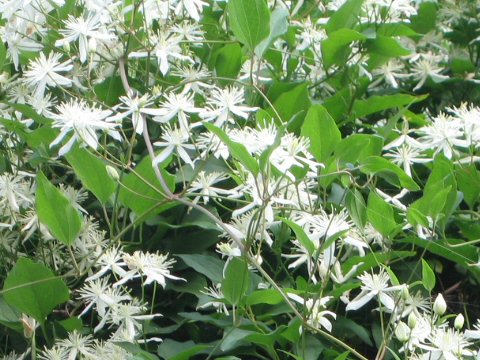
(474, 334)
(15, 192)
(111, 260)
(374, 285)
(44, 72)
(188, 31)
(14, 34)
(127, 317)
(469, 117)
(193, 78)
(152, 266)
(55, 353)
(292, 151)
(165, 48)
(389, 72)
(209, 142)
(203, 185)
(448, 344)
(406, 156)
(175, 139)
(427, 66)
(179, 105)
(193, 8)
(100, 294)
(316, 315)
(86, 31)
(135, 106)
(224, 102)
(77, 344)
(215, 293)
(83, 120)
(442, 134)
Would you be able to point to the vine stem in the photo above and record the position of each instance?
(185, 201)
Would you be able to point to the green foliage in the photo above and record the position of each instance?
(92, 172)
(428, 276)
(56, 212)
(236, 282)
(34, 289)
(249, 21)
(142, 183)
(322, 131)
(381, 215)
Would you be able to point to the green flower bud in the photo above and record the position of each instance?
(459, 321)
(412, 320)
(439, 306)
(402, 332)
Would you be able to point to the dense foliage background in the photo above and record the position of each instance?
(239, 179)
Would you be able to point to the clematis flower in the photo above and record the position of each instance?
(86, 31)
(44, 72)
(317, 316)
(175, 139)
(83, 121)
(223, 103)
(152, 266)
(374, 285)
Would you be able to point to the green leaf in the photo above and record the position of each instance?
(236, 281)
(335, 48)
(3, 55)
(302, 237)
(394, 29)
(462, 254)
(358, 147)
(174, 350)
(373, 104)
(356, 207)
(468, 181)
(266, 296)
(238, 151)
(207, 265)
(346, 16)
(249, 21)
(291, 106)
(380, 214)
(228, 61)
(278, 27)
(110, 90)
(33, 289)
(376, 165)
(10, 315)
(92, 172)
(428, 276)
(141, 190)
(56, 212)
(386, 46)
(439, 195)
(425, 19)
(350, 328)
(322, 131)
(310, 348)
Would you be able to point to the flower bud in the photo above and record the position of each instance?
(412, 320)
(29, 325)
(66, 46)
(112, 172)
(405, 293)
(459, 321)
(92, 45)
(402, 332)
(439, 306)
